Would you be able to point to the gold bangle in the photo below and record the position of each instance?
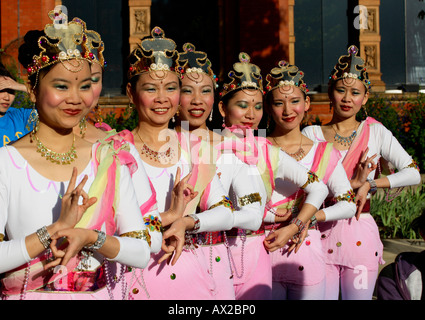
(141, 234)
(250, 198)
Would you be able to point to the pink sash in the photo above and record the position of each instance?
(358, 146)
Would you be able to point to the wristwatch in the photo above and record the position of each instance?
(373, 186)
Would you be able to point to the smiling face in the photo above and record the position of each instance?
(64, 95)
(244, 108)
(347, 100)
(156, 99)
(287, 109)
(196, 101)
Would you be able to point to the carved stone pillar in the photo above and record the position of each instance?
(140, 20)
(370, 42)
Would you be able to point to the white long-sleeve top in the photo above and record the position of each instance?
(29, 201)
(293, 174)
(383, 143)
(239, 180)
(338, 184)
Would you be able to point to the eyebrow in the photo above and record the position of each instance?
(67, 81)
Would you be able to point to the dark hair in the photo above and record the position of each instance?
(4, 72)
(28, 49)
(418, 224)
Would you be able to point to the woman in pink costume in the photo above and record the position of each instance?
(196, 107)
(54, 245)
(301, 275)
(241, 106)
(352, 247)
(154, 89)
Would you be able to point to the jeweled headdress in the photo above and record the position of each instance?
(285, 77)
(349, 68)
(61, 42)
(194, 64)
(154, 54)
(93, 45)
(244, 76)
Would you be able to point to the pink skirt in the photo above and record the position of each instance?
(352, 243)
(306, 267)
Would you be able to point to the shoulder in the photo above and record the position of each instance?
(314, 132)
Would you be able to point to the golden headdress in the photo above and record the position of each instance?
(61, 42)
(244, 76)
(154, 54)
(194, 63)
(285, 76)
(349, 68)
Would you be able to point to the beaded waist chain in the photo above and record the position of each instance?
(235, 232)
(206, 238)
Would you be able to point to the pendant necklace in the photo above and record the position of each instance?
(345, 141)
(299, 154)
(160, 156)
(56, 157)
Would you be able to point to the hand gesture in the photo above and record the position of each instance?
(279, 238)
(182, 193)
(364, 167)
(71, 211)
(361, 197)
(173, 240)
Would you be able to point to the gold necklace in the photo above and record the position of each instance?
(299, 154)
(56, 157)
(160, 156)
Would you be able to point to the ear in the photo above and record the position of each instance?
(307, 104)
(221, 108)
(31, 92)
(366, 97)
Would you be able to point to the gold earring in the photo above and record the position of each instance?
(83, 127)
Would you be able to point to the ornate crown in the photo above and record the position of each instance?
(194, 63)
(285, 76)
(153, 54)
(349, 68)
(61, 42)
(244, 76)
(93, 45)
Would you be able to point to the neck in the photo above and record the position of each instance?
(151, 134)
(287, 137)
(58, 140)
(342, 124)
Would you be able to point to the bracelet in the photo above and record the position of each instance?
(101, 238)
(299, 224)
(313, 221)
(44, 237)
(197, 223)
(373, 186)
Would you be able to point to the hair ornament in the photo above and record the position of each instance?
(155, 55)
(286, 77)
(194, 64)
(349, 68)
(244, 76)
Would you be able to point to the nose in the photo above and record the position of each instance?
(74, 96)
(250, 113)
(161, 96)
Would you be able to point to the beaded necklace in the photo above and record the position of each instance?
(159, 156)
(345, 141)
(297, 155)
(56, 157)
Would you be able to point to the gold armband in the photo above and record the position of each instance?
(1, 237)
(225, 202)
(349, 196)
(141, 234)
(312, 177)
(153, 223)
(250, 198)
(413, 165)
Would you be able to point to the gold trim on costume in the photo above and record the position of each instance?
(225, 202)
(310, 179)
(413, 165)
(250, 198)
(1, 237)
(348, 196)
(140, 234)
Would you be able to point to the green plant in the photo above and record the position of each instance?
(128, 120)
(394, 218)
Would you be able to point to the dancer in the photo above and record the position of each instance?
(241, 106)
(196, 107)
(154, 89)
(352, 247)
(13, 121)
(301, 276)
(54, 245)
